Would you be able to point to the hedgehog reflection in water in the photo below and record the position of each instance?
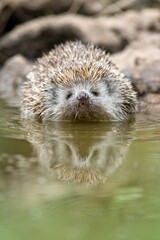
(73, 154)
(77, 82)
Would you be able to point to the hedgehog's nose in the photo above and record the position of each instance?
(83, 98)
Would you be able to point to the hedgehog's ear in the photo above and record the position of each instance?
(105, 79)
(110, 87)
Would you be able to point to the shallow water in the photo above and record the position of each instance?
(79, 181)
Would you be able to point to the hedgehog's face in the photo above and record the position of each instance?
(97, 100)
(83, 101)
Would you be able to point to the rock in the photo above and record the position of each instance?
(40, 35)
(31, 9)
(112, 33)
(14, 12)
(145, 46)
(150, 103)
(146, 77)
(11, 76)
(141, 62)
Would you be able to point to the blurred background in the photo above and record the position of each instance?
(128, 29)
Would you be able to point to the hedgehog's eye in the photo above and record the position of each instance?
(95, 93)
(69, 95)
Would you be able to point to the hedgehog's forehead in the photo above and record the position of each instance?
(85, 73)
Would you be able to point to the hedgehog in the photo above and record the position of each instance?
(77, 82)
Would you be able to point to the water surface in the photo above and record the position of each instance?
(79, 181)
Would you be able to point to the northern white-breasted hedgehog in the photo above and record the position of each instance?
(77, 82)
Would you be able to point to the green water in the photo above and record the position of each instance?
(79, 181)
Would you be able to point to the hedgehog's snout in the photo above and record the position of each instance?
(83, 98)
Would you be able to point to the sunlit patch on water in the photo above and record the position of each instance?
(79, 181)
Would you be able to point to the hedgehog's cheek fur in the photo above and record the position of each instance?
(105, 106)
(98, 108)
(73, 112)
(69, 109)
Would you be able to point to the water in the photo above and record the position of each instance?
(79, 181)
